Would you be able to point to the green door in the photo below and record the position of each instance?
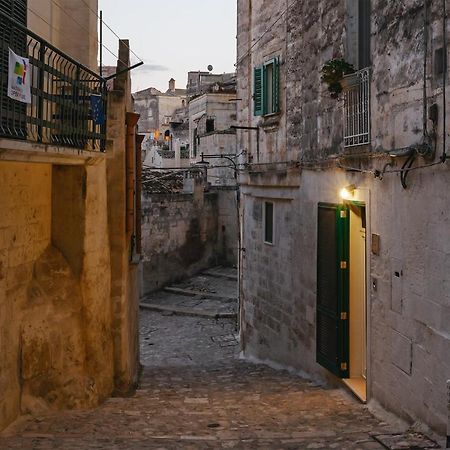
(333, 288)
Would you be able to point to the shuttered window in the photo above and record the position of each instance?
(12, 113)
(332, 289)
(258, 89)
(266, 88)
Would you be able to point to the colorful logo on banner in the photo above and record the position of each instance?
(19, 79)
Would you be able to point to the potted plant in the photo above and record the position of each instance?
(338, 73)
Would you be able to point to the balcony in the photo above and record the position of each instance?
(357, 110)
(68, 100)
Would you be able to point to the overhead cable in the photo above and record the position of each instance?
(110, 29)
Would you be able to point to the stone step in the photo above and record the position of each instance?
(218, 274)
(180, 311)
(194, 293)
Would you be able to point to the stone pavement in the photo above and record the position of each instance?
(211, 294)
(196, 394)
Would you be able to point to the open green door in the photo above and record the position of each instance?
(333, 288)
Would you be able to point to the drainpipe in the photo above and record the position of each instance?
(131, 122)
(139, 139)
(448, 414)
(444, 83)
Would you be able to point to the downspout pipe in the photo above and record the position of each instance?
(131, 122)
(425, 69)
(444, 82)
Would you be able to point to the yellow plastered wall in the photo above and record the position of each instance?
(25, 232)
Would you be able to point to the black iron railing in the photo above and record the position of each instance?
(68, 100)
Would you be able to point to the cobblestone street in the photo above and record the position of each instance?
(195, 393)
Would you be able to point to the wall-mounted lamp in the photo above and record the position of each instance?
(348, 192)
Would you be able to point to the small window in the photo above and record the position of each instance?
(268, 222)
(440, 61)
(266, 87)
(195, 142)
(210, 125)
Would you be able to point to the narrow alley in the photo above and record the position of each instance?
(196, 393)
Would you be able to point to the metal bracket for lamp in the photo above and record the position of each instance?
(257, 129)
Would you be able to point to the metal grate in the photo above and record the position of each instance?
(62, 90)
(357, 110)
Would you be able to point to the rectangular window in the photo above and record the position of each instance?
(266, 87)
(210, 125)
(195, 142)
(268, 222)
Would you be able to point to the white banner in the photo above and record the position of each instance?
(19, 79)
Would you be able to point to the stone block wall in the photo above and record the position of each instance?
(25, 233)
(180, 235)
(408, 338)
(56, 339)
(186, 233)
(227, 235)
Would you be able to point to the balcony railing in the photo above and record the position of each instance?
(68, 100)
(357, 110)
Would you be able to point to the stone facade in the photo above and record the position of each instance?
(180, 237)
(211, 116)
(70, 25)
(68, 291)
(157, 108)
(303, 162)
(184, 233)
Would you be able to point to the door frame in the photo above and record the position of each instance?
(362, 197)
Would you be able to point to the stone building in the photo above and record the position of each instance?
(201, 82)
(157, 108)
(68, 287)
(211, 117)
(348, 285)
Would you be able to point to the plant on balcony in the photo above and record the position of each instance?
(333, 73)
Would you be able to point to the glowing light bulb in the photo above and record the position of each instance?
(348, 192)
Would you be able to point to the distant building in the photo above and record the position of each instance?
(201, 82)
(211, 116)
(157, 108)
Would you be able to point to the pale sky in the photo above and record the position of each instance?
(172, 37)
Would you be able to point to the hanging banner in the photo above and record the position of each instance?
(19, 78)
(97, 109)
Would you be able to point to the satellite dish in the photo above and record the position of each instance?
(210, 68)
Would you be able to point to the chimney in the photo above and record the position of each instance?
(172, 85)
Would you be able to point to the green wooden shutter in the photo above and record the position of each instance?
(333, 289)
(276, 85)
(258, 91)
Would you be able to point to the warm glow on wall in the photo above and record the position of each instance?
(348, 192)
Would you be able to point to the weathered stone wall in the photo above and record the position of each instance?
(70, 25)
(180, 235)
(55, 320)
(25, 233)
(68, 290)
(408, 340)
(228, 228)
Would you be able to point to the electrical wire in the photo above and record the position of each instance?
(110, 29)
(83, 28)
(261, 37)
